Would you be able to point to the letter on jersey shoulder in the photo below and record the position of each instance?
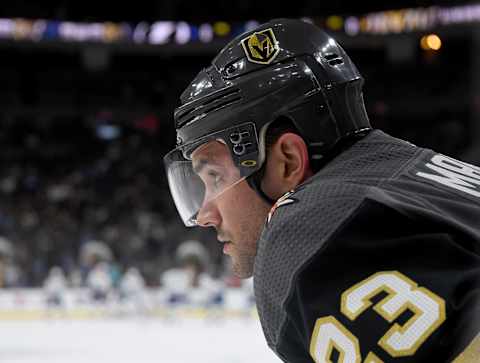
(454, 174)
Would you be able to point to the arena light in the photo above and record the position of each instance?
(434, 42)
(161, 31)
(23, 29)
(183, 33)
(38, 29)
(335, 22)
(205, 33)
(112, 32)
(167, 32)
(108, 132)
(352, 26)
(140, 32)
(431, 42)
(221, 28)
(6, 28)
(416, 19)
(81, 32)
(251, 24)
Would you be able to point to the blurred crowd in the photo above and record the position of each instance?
(63, 187)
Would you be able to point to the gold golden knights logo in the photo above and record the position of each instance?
(261, 47)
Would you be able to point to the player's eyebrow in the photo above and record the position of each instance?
(200, 164)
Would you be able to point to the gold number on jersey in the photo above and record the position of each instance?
(428, 314)
(329, 333)
(403, 294)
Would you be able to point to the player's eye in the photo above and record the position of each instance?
(215, 179)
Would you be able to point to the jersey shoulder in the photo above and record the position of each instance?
(361, 215)
(393, 258)
(299, 225)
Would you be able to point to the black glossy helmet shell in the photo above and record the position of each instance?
(286, 68)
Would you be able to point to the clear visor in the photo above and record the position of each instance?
(202, 172)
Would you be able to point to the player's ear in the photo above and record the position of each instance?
(287, 165)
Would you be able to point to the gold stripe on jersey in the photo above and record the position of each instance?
(471, 354)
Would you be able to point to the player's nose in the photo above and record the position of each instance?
(208, 215)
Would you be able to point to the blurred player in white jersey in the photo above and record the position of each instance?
(55, 286)
(99, 282)
(189, 283)
(133, 292)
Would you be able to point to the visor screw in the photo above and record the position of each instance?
(179, 140)
(235, 138)
(239, 149)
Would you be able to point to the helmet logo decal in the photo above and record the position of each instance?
(261, 47)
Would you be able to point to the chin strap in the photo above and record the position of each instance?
(254, 181)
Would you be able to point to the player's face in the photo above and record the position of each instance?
(237, 213)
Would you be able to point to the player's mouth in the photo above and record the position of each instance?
(226, 244)
(226, 247)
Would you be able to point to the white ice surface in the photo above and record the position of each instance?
(134, 341)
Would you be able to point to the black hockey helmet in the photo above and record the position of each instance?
(283, 68)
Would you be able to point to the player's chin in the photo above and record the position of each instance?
(242, 273)
(242, 269)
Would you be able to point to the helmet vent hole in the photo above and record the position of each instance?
(333, 59)
(231, 69)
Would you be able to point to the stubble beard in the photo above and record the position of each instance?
(243, 265)
(244, 259)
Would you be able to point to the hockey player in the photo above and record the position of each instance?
(55, 287)
(189, 283)
(364, 247)
(133, 292)
(100, 283)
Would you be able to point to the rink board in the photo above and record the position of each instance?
(116, 332)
